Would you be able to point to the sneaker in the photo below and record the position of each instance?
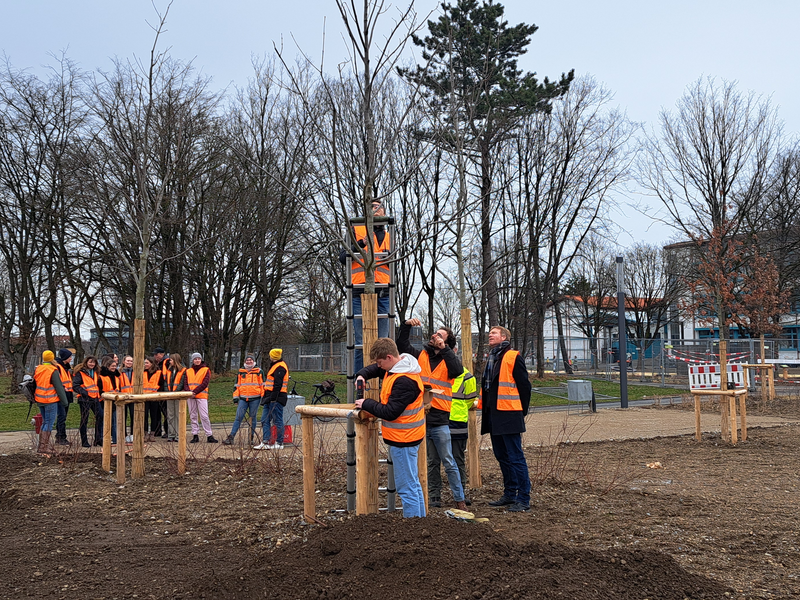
(228, 441)
(467, 501)
(62, 442)
(195, 439)
(276, 447)
(262, 446)
(172, 439)
(128, 439)
(435, 502)
(86, 445)
(517, 507)
(503, 501)
(165, 437)
(211, 440)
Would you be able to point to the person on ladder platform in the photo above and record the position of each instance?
(382, 244)
(439, 368)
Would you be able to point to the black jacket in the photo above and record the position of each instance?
(435, 417)
(404, 392)
(276, 395)
(504, 422)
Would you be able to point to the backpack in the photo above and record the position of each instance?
(328, 386)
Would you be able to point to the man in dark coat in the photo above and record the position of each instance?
(505, 398)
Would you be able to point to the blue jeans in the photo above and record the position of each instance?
(244, 406)
(113, 422)
(406, 480)
(358, 331)
(440, 450)
(49, 413)
(516, 481)
(272, 415)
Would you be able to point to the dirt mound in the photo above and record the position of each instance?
(389, 557)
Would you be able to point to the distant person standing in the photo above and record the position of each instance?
(274, 399)
(49, 392)
(198, 376)
(174, 375)
(126, 383)
(151, 384)
(63, 364)
(505, 398)
(247, 394)
(465, 392)
(85, 378)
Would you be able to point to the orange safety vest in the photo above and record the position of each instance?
(150, 382)
(441, 384)
(45, 391)
(195, 378)
(410, 425)
(107, 385)
(270, 382)
(66, 377)
(250, 383)
(381, 268)
(507, 393)
(126, 384)
(90, 384)
(173, 380)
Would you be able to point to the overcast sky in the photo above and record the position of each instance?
(646, 52)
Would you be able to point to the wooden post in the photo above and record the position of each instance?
(108, 408)
(473, 436)
(732, 407)
(724, 422)
(764, 383)
(369, 321)
(309, 487)
(182, 436)
(723, 365)
(697, 433)
(743, 415)
(422, 468)
(366, 467)
(137, 457)
(120, 443)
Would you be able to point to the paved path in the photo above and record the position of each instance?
(544, 428)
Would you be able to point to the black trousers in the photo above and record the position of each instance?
(87, 409)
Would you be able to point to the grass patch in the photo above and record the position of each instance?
(600, 386)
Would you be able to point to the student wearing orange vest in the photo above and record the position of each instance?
(49, 392)
(85, 386)
(160, 358)
(440, 367)
(126, 381)
(109, 381)
(151, 383)
(381, 243)
(403, 417)
(65, 371)
(173, 374)
(198, 376)
(247, 395)
(274, 399)
(505, 397)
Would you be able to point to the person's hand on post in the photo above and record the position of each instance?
(414, 322)
(359, 402)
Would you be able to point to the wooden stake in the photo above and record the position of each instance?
(137, 460)
(473, 436)
(108, 407)
(366, 467)
(369, 321)
(309, 487)
(120, 443)
(422, 468)
(724, 425)
(723, 365)
(182, 436)
(697, 433)
(732, 409)
(743, 415)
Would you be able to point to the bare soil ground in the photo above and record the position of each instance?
(714, 521)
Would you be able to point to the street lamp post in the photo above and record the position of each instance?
(623, 337)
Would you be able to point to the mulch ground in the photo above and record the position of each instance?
(711, 521)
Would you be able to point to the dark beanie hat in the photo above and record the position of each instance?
(64, 354)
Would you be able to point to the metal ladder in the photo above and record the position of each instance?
(351, 318)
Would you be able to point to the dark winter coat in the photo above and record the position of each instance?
(505, 422)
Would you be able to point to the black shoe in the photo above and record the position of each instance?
(503, 501)
(517, 507)
(195, 439)
(164, 437)
(468, 502)
(62, 442)
(228, 441)
(98, 442)
(211, 440)
(435, 503)
(86, 445)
